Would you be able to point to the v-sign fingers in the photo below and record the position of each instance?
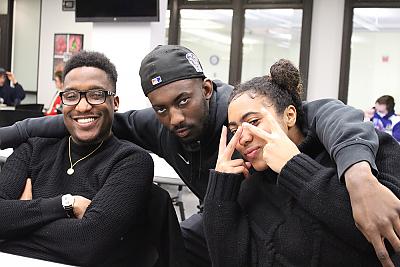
(222, 141)
(230, 148)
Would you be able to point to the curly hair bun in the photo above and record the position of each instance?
(286, 75)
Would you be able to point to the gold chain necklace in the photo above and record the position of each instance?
(71, 170)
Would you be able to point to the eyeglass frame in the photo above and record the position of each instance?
(106, 92)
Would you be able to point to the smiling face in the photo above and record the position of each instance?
(246, 108)
(183, 107)
(89, 123)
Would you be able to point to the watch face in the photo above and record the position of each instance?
(67, 200)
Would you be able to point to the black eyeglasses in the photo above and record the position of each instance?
(93, 97)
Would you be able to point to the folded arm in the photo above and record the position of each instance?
(19, 217)
(118, 206)
(317, 190)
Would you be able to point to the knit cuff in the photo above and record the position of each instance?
(297, 172)
(352, 154)
(223, 186)
(52, 208)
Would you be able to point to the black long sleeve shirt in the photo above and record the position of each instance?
(301, 217)
(117, 178)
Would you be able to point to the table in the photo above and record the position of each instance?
(14, 260)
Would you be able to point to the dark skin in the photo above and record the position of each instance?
(182, 107)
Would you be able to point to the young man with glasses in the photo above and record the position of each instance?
(83, 199)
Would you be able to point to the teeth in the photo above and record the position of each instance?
(85, 120)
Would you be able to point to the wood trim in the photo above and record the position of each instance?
(305, 44)
(346, 51)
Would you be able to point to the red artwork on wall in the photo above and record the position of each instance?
(65, 45)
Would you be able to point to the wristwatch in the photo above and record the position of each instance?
(67, 202)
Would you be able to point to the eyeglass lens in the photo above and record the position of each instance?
(94, 97)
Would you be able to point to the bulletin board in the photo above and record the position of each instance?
(65, 45)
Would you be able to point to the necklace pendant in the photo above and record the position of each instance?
(70, 171)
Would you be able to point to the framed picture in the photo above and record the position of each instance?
(65, 45)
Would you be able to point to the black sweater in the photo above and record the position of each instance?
(301, 217)
(339, 127)
(117, 178)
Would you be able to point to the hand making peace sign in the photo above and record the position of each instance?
(278, 148)
(225, 163)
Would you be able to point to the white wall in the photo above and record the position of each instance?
(26, 30)
(54, 20)
(325, 49)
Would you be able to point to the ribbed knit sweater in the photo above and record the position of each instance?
(117, 178)
(301, 217)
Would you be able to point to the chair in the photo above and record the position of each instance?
(31, 107)
(9, 117)
(176, 200)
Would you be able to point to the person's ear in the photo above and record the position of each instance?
(208, 88)
(290, 116)
(116, 103)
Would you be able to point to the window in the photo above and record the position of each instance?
(375, 56)
(370, 57)
(269, 35)
(208, 34)
(262, 32)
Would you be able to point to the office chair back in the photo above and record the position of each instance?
(9, 117)
(32, 107)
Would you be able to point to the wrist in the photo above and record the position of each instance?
(67, 202)
(358, 175)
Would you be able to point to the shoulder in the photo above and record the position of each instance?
(128, 149)
(222, 87)
(37, 147)
(39, 143)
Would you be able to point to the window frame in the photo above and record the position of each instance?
(238, 24)
(346, 38)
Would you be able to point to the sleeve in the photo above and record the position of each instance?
(226, 227)
(319, 192)
(19, 92)
(140, 127)
(396, 130)
(115, 208)
(20, 132)
(19, 217)
(341, 130)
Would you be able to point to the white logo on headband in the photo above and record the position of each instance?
(194, 61)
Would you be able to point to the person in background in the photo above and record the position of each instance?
(55, 105)
(290, 208)
(384, 117)
(10, 95)
(184, 126)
